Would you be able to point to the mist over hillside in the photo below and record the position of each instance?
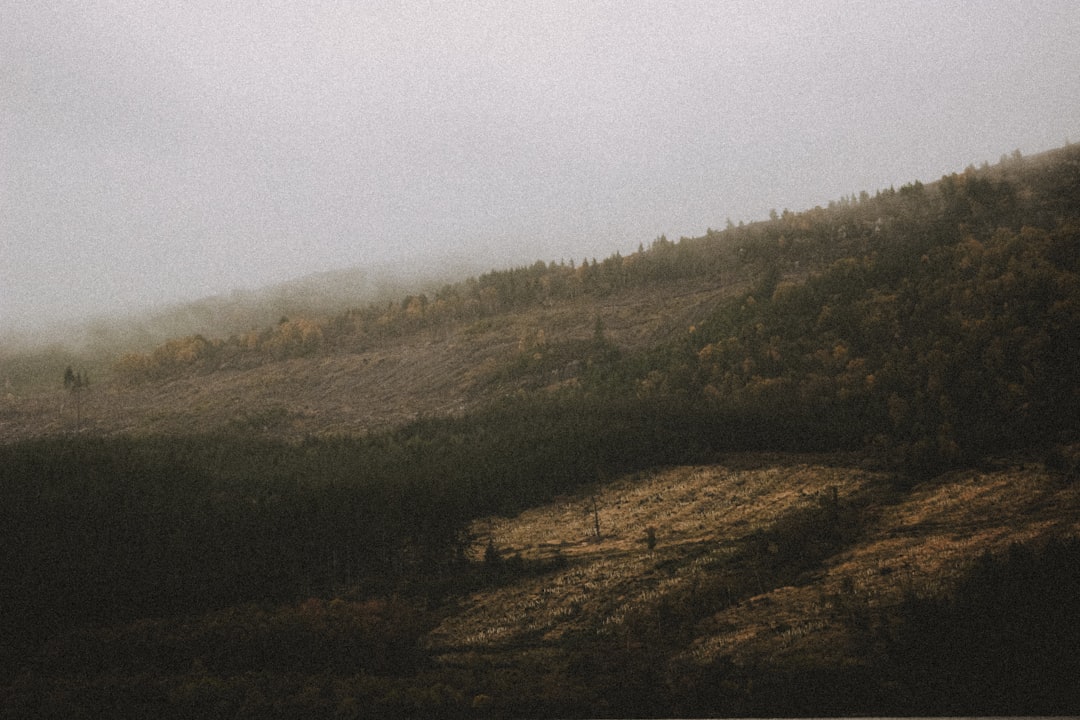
(35, 358)
(539, 359)
(834, 449)
(241, 310)
(100, 338)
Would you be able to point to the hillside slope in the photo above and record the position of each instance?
(901, 316)
(776, 584)
(820, 465)
(438, 371)
(771, 565)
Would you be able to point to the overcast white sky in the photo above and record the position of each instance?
(158, 150)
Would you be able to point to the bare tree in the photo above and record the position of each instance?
(74, 382)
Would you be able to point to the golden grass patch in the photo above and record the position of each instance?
(913, 544)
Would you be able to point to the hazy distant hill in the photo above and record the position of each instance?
(855, 314)
(314, 295)
(32, 360)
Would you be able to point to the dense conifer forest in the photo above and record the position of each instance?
(928, 329)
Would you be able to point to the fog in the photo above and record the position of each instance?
(156, 152)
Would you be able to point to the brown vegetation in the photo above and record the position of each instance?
(427, 372)
(908, 544)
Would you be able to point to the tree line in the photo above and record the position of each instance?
(893, 228)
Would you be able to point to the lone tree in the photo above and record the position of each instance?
(593, 505)
(74, 383)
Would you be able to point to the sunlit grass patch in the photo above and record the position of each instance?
(728, 561)
(699, 514)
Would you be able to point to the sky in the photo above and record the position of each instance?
(157, 151)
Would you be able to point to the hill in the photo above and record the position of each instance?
(351, 386)
(835, 449)
(773, 583)
(967, 283)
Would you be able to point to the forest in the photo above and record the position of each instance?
(928, 328)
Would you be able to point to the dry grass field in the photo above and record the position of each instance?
(354, 389)
(908, 544)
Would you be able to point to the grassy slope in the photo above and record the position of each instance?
(783, 609)
(432, 372)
